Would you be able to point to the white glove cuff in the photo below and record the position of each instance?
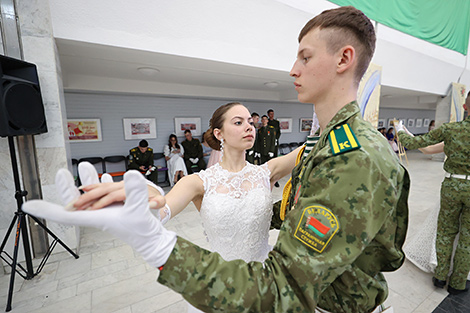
(157, 256)
(167, 217)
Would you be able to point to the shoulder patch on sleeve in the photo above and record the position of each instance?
(150, 149)
(316, 227)
(133, 149)
(342, 139)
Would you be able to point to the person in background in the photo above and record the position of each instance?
(206, 150)
(193, 155)
(174, 159)
(266, 145)
(141, 159)
(274, 123)
(454, 215)
(214, 155)
(252, 153)
(432, 125)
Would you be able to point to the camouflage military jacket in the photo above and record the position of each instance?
(456, 137)
(137, 158)
(192, 149)
(357, 204)
(266, 140)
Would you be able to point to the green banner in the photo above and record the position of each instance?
(443, 22)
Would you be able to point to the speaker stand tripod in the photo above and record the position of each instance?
(21, 230)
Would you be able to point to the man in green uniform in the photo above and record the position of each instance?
(454, 215)
(275, 123)
(347, 212)
(266, 141)
(193, 154)
(141, 159)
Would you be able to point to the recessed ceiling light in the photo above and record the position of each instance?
(271, 84)
(148, 71)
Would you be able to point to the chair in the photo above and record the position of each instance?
(160, 163)
(94, 161)
(114, 159)
(284, 148)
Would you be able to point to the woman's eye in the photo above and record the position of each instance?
(238, 123)
(252, 123)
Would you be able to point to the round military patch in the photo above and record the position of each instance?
(316, 227)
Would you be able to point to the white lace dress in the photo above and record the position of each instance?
(236, 212)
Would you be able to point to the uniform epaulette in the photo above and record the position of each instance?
(342, 139)
(134, 150)
(149, 149)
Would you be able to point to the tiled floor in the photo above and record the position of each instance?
(110, 277)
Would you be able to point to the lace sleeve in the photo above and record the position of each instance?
(266, 173)
(204, 176)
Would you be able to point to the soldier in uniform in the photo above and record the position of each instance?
(274, 123)
(346, 215)
(454, 215)
(266, 141)
(193, 154)
(141, 159)
(252, 154)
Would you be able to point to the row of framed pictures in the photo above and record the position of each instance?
(81, 130)
(411, 122)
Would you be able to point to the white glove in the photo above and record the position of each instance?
(399, 126)
(250, 152)
(106, 178)
(270, 154)
(150, 170)
(191, 159)
(257, 155)
(196, 160)
(408, 132)
(132, 222)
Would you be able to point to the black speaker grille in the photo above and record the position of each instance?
(24, 106)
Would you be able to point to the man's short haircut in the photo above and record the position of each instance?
(348, 26)
(264, 116)
(143, 143)
(270, 110)
(187, 131)
(254, 114)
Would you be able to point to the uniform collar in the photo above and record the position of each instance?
(345, 113)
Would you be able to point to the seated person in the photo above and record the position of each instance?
(141, 159)
(174, 160)
(193, 155)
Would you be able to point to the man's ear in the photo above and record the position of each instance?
(347, 57)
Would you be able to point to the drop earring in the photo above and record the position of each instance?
(221, 148)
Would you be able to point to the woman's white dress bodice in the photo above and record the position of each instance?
(236, 211)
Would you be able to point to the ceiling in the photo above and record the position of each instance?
(100, 62)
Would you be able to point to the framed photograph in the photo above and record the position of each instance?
(381, 123)
(305, 124)
(191, 123)
(419, 122)
(81, 129)
(411, 122)
(139, 128)
(285, 124)
(426, 122)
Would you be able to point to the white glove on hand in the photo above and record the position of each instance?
(196, 160)
(250, 152)
(399, 126)
(191, 159)
(132, 222)
(270, 154)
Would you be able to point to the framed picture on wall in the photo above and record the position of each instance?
(411, 122)
(285, 123)
(82, 129)
(426, 122)
(191, 123)
(381, 123)
(305, 124)
(419, 122)
(139, 128)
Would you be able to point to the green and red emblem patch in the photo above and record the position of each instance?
(316, 228)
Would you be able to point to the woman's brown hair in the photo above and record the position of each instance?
(217, 121)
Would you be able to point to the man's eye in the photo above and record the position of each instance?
(306, 59)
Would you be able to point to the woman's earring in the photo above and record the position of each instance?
(221, 148)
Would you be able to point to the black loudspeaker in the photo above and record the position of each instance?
(21, 106)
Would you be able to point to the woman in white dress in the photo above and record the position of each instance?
(174, 159)
(232, 196)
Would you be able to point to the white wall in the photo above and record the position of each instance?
(112, 108)
(386, 114)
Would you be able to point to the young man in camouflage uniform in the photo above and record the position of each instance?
(454, 215)
(141, 159)
(347, 214)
